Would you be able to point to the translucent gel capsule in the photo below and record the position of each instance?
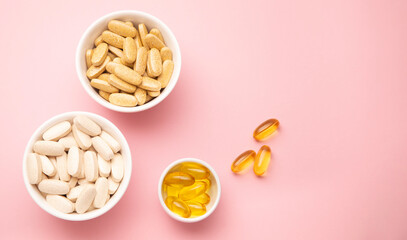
(203, 198)
(179, 179)
(190, 192)
(181, 208)
(169, 200)
(207, 181)
(197, 209)
(261, 163)
(243, 161)
(196, 170)
(264, 130)
(171, 190)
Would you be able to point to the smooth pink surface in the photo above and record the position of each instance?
(333, 72)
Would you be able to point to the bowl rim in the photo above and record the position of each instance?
(93, 214)
(95, 96)
(175, 216)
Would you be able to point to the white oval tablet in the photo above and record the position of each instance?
(87, 126)
(34, 168)
(74, 161)
(84, 141)
(102, 191)
(102, 148)
(47, 166)
(104, 167)
(62, 167)
(91, 166)
(113, 186)
(113, 144)
(68, 141)
(85, 198)
(117, 167)
(74, 193)
(60, 203)
(49, 148)
(57, 131)
(52, 186)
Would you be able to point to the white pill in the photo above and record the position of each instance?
(60, 203)
(62, 167)
(84, 141)
(55, 177)
(72, 182)
(83, 181)
(68, 141)
(113, 186)
(74, 161)
(74, 193)
(34, 168)
(113, 144)
(47, 166)
(102, 189)
(104, 167)
(102, 148)
(49, 148)
(91, 166)
(87, 126)
(52, 186)
(85, 198)
(117, 167)
(57, 131)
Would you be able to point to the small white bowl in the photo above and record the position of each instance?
(96, 28)
(214, 192)
(107, 126)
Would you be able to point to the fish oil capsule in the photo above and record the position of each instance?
(169, 200)
(181, 208)
(193, 191)
(171, 190)
(196, 170)
(207, 181)
(179, 179)
(264, 130)
(243, 161)
(203, 198)
(197, 209)
(261, 163)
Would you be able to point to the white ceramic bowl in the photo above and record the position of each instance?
(107, 126)
(214, 192)
(96, 28)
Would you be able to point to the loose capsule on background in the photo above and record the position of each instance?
(243, 161)
(193, 191)
(181, 208)
(197, 208)
(264, 130)
(179, 179)
(261, 163)
(203, 198)
(196, 170)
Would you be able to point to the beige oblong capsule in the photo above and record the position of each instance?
(87, 125)
(88, 56)
(113, 39)
(60, 203)
(142, 29)
(157, 33)
(121, 28)
(52, 186)
(127, 74)
(57, 131)
(128, 23)
(34, 168)
(150, 84)
(120, 84)
(48, 167)
(103, 85)
(62, 167)
(84, 141)
(72, 182)
(74, 161)
(123, 99)
(102, 148)
(129, 50)
(104, 167)
(85, 198)
(141, 96)
(113, 144)
(141, 60)
(155, 63)
(138, 42)
(102, 191)
(116, 51)
(166, 54)
(74, 193)
(98, 40)
(154, 42)
(99, 54)
(94, 72)
(154, 93)
(113, 186)
(49, 148)
(104, 76)
(117, 167)
(122, 62)
(168, 68)
(91, 166)
(104, 95)
(68, 141)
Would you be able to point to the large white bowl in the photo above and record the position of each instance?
(214, 192)
(94, 30)
(107, 126)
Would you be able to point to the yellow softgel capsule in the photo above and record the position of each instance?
(243, 161)
(203, 198)
(169, 200)
(193, 191)
(197, 209)
(180, 207)
(179, 179)
(264, 130)
(171, 190)
(208, 183)
(261, 163)
(196, 170)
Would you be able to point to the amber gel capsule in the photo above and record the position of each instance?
(261, 163)
(203, 198)
(196, 170)
(264, 130)
(179, 179)
(181, 208)
(243, 161)
(193, 191)
(197, 209)
(171, 190)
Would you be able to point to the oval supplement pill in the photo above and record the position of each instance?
(113, 144)
(49, 148)
(120, 84)
(155, 62)
(104, 167)
(127, 74)
(62, 167)
(52, 186)
(48, 167)
(262, 161)
(123, 99)
(113, 39)
(179, 179)
(96, 71)
(141, 60)
(60, 203)
(154, 42)
(91, 166)
(142, 29)
(122, 28)
(102, 148)
(129, 50)
(197, 208)
(84, 141)
(264, 130)
(168, 68)
(85, 198)
(102, 191)
(74, 161)
(34, 168)
(166, 54)
(150, 84)
(87, 125)
(117, 165)
(243, 161)
(99, 54)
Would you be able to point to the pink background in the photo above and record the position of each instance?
(333, 72)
